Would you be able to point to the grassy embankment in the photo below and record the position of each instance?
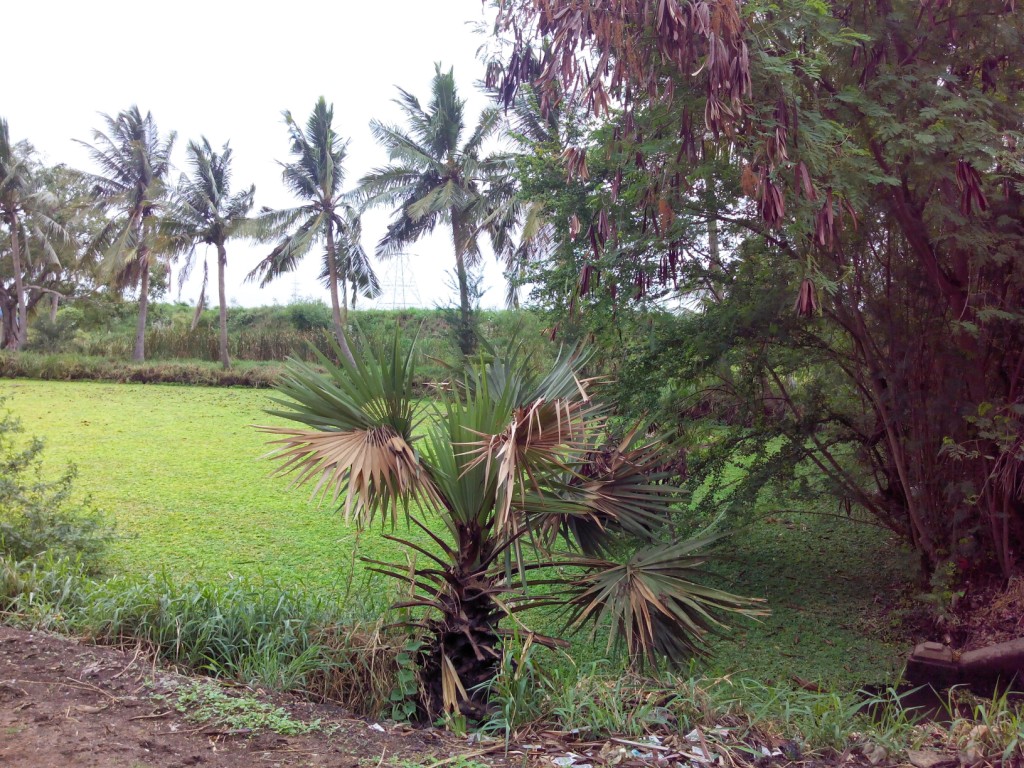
(179, 469)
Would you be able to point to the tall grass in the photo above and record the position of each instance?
(75, 367)
(271, 637)
(261, 634)
(265, 334)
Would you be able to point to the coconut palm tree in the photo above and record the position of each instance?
(204, 212)
(26, 208)
(513, 474)
(435, 177)
(317, 176)
(134, 161)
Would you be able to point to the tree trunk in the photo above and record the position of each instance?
(222, 260)
(464, 638)
(465, 332)
(139, 354)
(54, 305)
(714, 257)
(332, 272)
(20, 330)
(9, 312)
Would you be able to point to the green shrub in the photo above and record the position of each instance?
(39, 515)
(50, 336)
(309, 315)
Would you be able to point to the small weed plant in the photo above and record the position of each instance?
(206, 702)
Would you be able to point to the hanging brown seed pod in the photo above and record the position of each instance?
(806, 299)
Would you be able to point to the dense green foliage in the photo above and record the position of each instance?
(861, 158)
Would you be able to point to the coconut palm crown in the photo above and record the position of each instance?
(204, 212)
(28, 210)
(133, 161)
(508, 472)
(317, 176)
(439, 175)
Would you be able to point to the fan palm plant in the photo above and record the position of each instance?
(435, 177)
(26, 208)
(317, 176)
(510, 476)
(134, 161)
(203, 211)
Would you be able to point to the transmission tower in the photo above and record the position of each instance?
(396, 286)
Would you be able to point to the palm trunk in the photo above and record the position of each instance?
(465, 638)
(139, 354)
(20, 336)
(222, 260)
(465, 332)
(54, 305)
(332, 272)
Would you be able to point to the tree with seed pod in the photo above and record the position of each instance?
(876, 148)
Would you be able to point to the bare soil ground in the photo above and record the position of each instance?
(66, 705)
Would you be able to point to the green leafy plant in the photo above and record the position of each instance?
(40, 515)
(404, 695)
(204, 702)
(516, 486)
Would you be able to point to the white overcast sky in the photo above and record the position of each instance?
(226, 70)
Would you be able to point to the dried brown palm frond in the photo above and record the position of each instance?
(373, 465)
(541, 437)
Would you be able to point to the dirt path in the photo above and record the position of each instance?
(65, 705)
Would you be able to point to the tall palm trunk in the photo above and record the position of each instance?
(17, 341)
(465, 332)
(222, 260)
(139, 354)
(332, 272)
